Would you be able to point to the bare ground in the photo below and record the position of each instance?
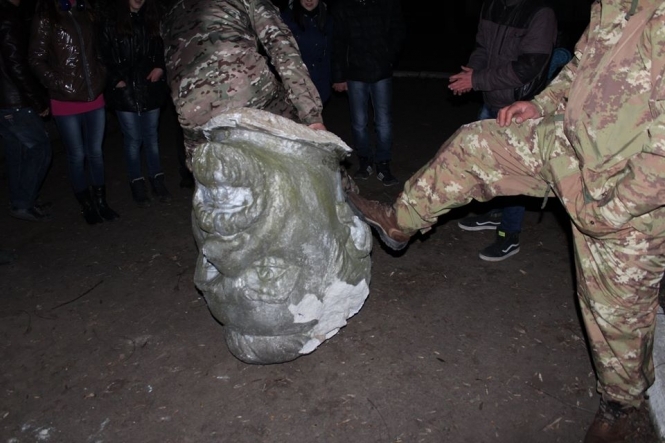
(104, 338)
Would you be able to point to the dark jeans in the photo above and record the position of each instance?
(511, 216)
(28, 154)
(83, 135)
(140, 130)
(381, 94)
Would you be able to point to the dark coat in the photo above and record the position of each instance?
(130, 58)
(63, 54)
(513, 46)
(18, 86)
(368, 37)
(316, 47)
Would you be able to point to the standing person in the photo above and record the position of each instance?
(312, 27)
(214, 64)
(367, 39)
(63, 54)
(136, 89)
(596, 138)
(22, 104)
(514, 44)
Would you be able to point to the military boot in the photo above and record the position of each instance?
(612, 424)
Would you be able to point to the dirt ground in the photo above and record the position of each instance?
(104, 338)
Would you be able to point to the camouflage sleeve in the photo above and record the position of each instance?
(285, 56)
(554, 97)
(642, 187)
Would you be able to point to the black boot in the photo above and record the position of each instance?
(99, 195)
(159, 188)
(139, 192)
(88, 208)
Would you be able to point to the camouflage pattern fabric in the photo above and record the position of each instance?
(600, 147)
(214, 63)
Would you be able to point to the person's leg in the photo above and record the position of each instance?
(94, 123)
(358, 93)
(618, 282)
(480, 161)
(149, 129)
(130, 125)
(381, 94)
(70, 128)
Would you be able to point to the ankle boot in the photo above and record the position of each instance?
(159, 188)
(99, 195)
(88, 209)
(139, 192)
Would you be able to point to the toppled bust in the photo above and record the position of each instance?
(283, 262)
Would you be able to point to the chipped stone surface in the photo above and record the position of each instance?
(283, 262)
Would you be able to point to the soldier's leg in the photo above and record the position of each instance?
(617, 285)
(480, 161)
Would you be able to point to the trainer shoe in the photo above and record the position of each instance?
(364, 169)
(506, 245)
(382, 217)
(490, 220)
(612, 424)
(384, 175)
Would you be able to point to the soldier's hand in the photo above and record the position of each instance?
(519, 112)
(318, 126)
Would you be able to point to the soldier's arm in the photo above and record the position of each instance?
(285, 56)
(642, 187)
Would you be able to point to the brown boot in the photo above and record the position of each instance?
(382, 217)
(612, 424)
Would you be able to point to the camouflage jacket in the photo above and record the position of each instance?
(611, 97)
(214, 62)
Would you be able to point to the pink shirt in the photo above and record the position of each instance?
(71, 108)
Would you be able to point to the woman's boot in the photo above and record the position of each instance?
(99, 195)
(88, 208)
(139, 192)
(159, 188)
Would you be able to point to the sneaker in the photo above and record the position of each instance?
(612, 424)
(506, 245)
(384, 175)
(33, 214)
(490, 220)
(364, 169)
(382, 217)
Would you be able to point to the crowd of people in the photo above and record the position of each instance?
(597, 149)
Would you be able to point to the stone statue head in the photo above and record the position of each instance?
(283, 262)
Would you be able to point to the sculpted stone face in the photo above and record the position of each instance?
(283, 262)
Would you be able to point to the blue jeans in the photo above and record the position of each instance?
(83, 135)
(28, 154)
(511, 216)
(140, 129)
(381, 94)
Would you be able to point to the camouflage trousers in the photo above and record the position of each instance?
(618, 271)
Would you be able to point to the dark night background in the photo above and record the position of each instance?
(441, 33)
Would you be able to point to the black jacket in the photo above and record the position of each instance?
(63, 54)
(130, 59)
(368, 36)
(19, 88)
(513, 46)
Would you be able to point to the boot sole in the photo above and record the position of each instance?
(392, 244)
